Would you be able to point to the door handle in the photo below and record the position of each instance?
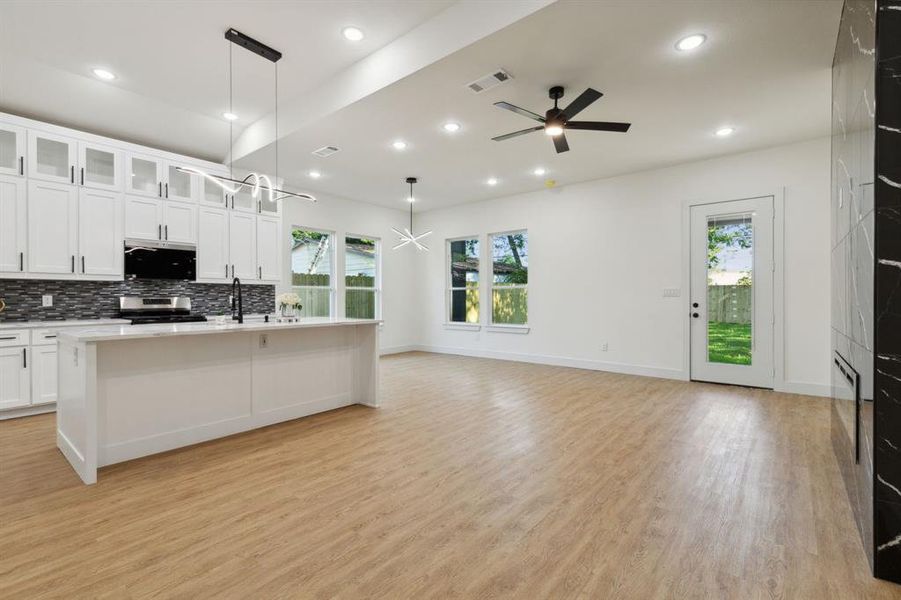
(82, 176)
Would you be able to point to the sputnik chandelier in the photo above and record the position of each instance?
(406, 236)
(257, 182)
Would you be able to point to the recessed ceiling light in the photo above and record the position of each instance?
(724, 131)
(352, 33)
(315, 174)
(491, 181)
(539, 171)
(690, 42)
(451, 127)
(399, 144)
(229, 116)
(103, 74)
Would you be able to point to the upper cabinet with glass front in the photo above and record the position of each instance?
(178, 185)
(51, 157)
(12, 150)
(211, 191)
(100, 166)
(144, 175)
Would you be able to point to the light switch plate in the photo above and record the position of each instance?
(264, 341)
(46, 300)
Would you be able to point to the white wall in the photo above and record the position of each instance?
(601, 253)
(343, 216)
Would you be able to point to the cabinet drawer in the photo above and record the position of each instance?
(13, 337)
(43, 337)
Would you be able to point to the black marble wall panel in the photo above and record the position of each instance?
(853, 228)
(866, 267)
(100, 299)
(887, 420)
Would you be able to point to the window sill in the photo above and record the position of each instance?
(462, 326)
(508, 328)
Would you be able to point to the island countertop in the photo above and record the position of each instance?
(108, 333)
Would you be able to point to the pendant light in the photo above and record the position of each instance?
(257, 182)
(406, 236)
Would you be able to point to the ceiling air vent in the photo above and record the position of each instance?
(325, 151)
(489, 81)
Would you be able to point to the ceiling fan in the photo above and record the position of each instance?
(555, 121)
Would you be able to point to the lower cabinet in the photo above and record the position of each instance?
(15, 384)
(43, 374)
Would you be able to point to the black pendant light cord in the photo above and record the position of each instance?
(231, 110)
(411, 207)
(276, 123)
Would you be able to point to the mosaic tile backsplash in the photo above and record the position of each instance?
(100, 299)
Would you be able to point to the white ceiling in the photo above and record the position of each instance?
(764, 70)
(171, 59)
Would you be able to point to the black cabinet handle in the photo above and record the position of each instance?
(167, 232)
(72, 173)
(159, 232)
(21, 165)
(167, 190)
(233, 201)
(694, 304)
(9, 337)
(226, 271)
(260, 269)
(73, 263)
(24, 358)
(161, 189)
(21, 261)
(82, 176)
(695, 315)
(82, 264)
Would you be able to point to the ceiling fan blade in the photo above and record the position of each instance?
(598, 126)
(560, 143)
(520, 111)
(507, 136)
(581, 103)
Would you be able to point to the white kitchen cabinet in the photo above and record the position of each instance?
(212, 244)
(144, 175)
(143, 218)
(100, 236)
(43, 374)
(12, 150)
(212, 193)
(52, 227)
(179, 222)
(242, 245)
(178, 185)
(99, 166)
(268, 249)
(243, 200)
(15, 384)
(51, 157)
(13, 224)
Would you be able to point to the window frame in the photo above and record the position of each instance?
(377, 282)
(512, 327)
(448, 283)
(332, 286)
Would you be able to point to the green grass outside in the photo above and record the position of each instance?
(729, 343)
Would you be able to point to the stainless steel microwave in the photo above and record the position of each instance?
(160, 260)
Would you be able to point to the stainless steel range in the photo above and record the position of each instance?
(174, 309)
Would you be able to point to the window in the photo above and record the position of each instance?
(509, 278)
(311, 270)
(463, 280)
(361, 277)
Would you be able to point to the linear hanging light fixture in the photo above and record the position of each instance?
(406, 236)
(257, 182)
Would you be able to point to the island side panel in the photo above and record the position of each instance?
(299, 372)
(160, 393)
(366, 365)
(76, 407)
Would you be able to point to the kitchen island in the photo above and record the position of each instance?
(136, 390)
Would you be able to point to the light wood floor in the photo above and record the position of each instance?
(477, 479)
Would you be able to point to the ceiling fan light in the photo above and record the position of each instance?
(553, 129)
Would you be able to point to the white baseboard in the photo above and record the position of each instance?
(398, 349)
(805, 388)
(27, 411)
(560, 361)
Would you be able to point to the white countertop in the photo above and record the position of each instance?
(66, 323)
(130, 332)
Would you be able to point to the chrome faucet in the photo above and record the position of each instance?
(240, 316)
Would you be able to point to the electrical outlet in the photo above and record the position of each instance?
(604, 347)
(671, 292)
(264, 341)
(46, 300)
